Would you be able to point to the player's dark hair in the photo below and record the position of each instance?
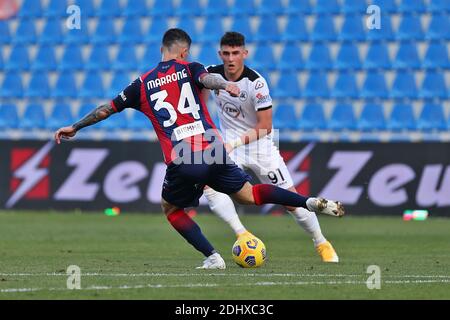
(233, 39)
(175, 35)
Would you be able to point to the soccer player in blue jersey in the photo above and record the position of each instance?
(170, 96)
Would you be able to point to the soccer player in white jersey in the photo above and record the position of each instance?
(246, 125)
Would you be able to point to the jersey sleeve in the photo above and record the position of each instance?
(197, 69)
(130, 97)
(261, 95)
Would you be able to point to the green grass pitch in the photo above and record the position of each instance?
(139, 256)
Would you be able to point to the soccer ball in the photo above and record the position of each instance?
(249, 252)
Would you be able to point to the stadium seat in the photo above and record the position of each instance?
(267, 30)
(105, 32)
(151, 58)
(296, 7)
(99, 58)
(208, 55)
(119, 82)
(374, 86)
(407, 56)
(438, 28)
(285, 117)
(38, 87)
(295, 29)
(372, 118)
(377, 57)
(71, 59)
(354, 6)
(126, 59)
(136, 8)
(78, 36)
(291, 58)
(30, 9)
(323, 29)
(287, 86)
(404, 86)
(263, 57)
(410, 28)
(347, 57)
(385, 5)
(316, 86)
(345, 86)
(432, 118)
(407, 6)
(342, 118)
(18, 59)
(243, 8)
(433, 86)
(212, 30)
(436, 56)
(162, 8)
(216, 8)
(56, 9)
(319, 58)
(326, 7)
(92, 86)
(189, 26)
(312, 118)
(2, 64)
(52, 33)
(88, 8)
(12, 86)
(267, 7)
(45, 59)
(242, 24)
(157, 28)
(84, 110)
(131, 32)
(9, 119)
(402, 118)
(439, 6)
(383, 34)
(60, 116)
(25, 33)
(188, 8)
(65, 87)
(33, 118)
(109, 8)
(352, 29)
(138, 122)
(5, 34)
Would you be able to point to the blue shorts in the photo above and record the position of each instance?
(184, 183)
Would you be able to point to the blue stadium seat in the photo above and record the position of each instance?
(25, 33)
(189, 26)
(33, 117)
(407, 56)
(151, 58)
(12, 86)
(342, 118)
(2, 64)
(407, 6)
(208, 55)
(139, 122)
(136, 8)
(162, 8)
(295, 29)
(326, 7)
(52, 33)
(348, 57)
(65, 87)
(78, 36)
(385, 5)
(114, 122)
(38, 87)
(402, 118)
(374, 86)
(242, 24)
(212, 30)
(189, 8)
(385, 33)
(316, 86)
(404, 86)
(410, 28)
(263, 57)
(84, 110)
(287, 86)
(157, 28)
(438, 28)
(109, 8)
(354, 6)
(433, 86)
(92, 86)
(291, 58)
(105, 32)
(371, 118)
(5, 34)
(9, 119)
(312, 118)
(296, 7)
(119, 82)
(377, 57)
(56, 9)
(126, 59)
(245, 8)
(270, 7)
(131, 32)
(285, 117)
(18, 59)
(439, 6)
(30, 9)
(267, 29)
(60, 116)
(323, 29)
(45, 59)
(72, 59)
(216, 8)
(345, 86)
(99, 58)
(436, 56)
(319, 58)
(352, 29)
(432, 118)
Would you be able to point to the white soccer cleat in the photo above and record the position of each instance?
(214, 261)
(324, 206)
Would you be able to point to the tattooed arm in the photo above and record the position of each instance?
(215, 81)
(98, 114)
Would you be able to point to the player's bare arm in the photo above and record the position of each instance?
(98, 114)
(215, 81)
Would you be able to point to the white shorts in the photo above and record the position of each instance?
(266, 163)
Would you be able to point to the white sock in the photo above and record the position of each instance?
(222, 205)
(309, 222)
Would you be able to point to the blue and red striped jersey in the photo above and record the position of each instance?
(170, 96)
